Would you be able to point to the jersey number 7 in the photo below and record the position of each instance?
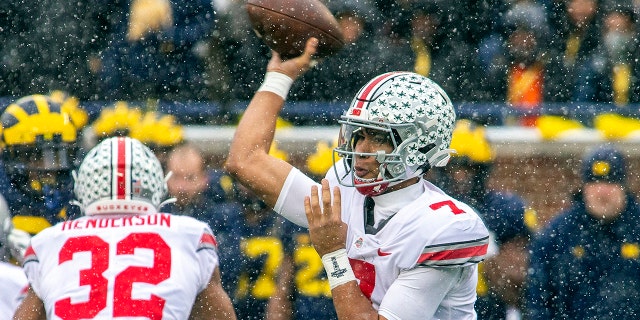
(446, 203)
(123, 303)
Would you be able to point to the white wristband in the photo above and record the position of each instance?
(338, 269)
(276, 82)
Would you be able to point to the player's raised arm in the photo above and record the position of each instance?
(248, 159)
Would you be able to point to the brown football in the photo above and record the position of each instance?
(285, 26)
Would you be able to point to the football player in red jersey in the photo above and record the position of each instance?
(393, 245)
(124, 258)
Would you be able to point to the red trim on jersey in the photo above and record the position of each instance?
(208, 238)
(121, 183)
(460, 253)
(24, 291)
(29, 252)
(366, 91)
(29, 256)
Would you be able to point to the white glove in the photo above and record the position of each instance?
(18, 243)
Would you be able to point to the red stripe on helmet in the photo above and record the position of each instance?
(121, 168)
(364, 93)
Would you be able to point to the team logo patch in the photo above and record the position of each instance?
(601, 168)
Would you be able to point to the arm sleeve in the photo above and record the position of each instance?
(417, 293)
(31, 267)
(207, 253)
(290, 203)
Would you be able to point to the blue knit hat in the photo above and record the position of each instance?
(604, 163)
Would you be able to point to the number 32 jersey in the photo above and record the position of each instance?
(151, 266)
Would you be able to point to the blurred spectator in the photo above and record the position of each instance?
(305, 293)
(251, 255)
(614, 70)
(517, 72)
(205, 194)
(156, 50)
(51, 44)
(439, 55)
(586, 263)
(502, 275)
(575, 30)
(197, 189)
(239, 51)
(336, 77)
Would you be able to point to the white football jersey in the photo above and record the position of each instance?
(13, 288)
(434, 230)
(128, 266)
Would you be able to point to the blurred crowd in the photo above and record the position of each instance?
(520, 52)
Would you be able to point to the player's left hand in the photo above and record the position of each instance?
(327, 231)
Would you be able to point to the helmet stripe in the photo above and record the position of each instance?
(365, 93)
(42, 104)
(120, 164)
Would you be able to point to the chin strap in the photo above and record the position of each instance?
(441, 158)
(166, 202)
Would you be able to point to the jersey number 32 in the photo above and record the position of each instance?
(123, 303)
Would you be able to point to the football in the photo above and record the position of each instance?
(285, 26)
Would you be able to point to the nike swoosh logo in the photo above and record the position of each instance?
(382, 254)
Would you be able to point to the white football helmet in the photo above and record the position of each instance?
(419, 118)
(120, 176)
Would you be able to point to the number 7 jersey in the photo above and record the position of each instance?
(433, 230)
(102, 267)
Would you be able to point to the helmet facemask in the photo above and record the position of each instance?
(416, 115)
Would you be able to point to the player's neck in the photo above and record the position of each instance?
(402, 184)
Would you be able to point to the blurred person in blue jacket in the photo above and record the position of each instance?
(585, 264)
(574, 37)
(613, 72)
(157, 51)
(306, 294)
(252, 250)
(51, 44)
(510, 221)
